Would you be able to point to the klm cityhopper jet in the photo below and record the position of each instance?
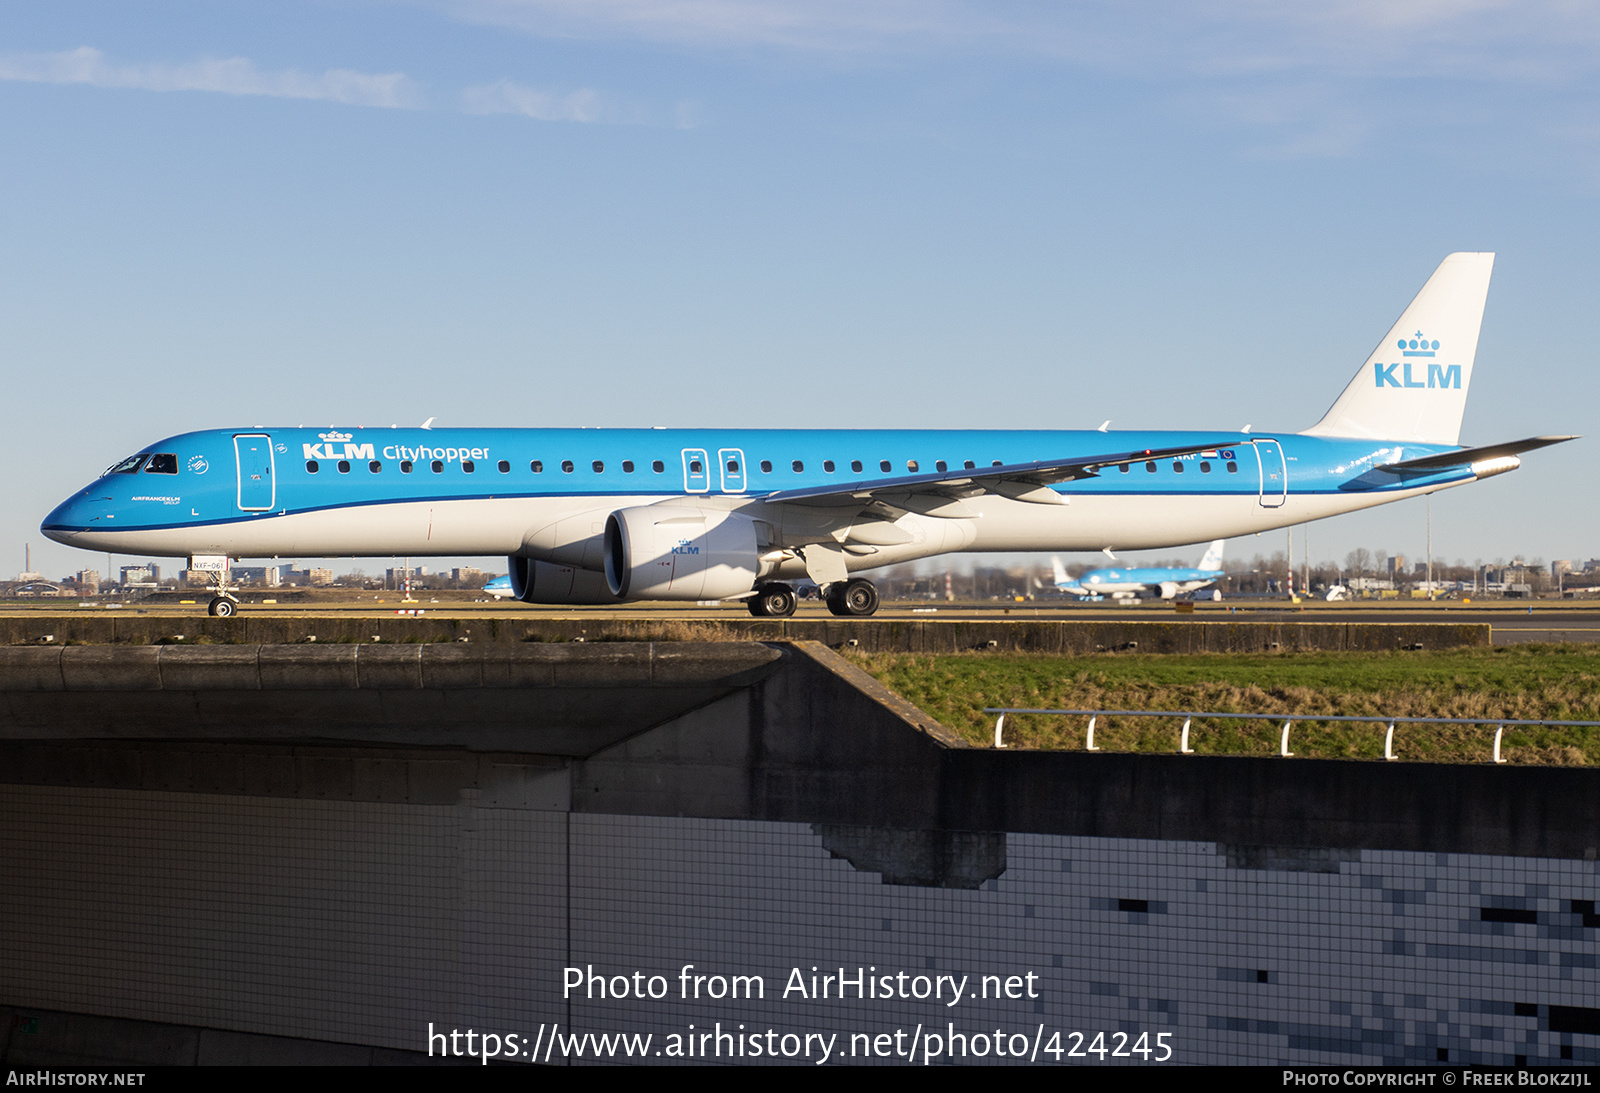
(609, 516)
(1158, 582)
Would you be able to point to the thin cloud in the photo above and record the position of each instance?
(505, 97)
(233, 76)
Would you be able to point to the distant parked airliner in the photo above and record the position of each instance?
(1158, 582)
(606, 516)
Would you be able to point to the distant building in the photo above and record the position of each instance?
(320, 576)
(89, 582)
(466, 573)
(141, 574)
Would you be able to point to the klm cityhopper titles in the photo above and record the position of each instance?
(609, 516)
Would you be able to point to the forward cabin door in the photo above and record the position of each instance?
(1274, 473)
(253, 455)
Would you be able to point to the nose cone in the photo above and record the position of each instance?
(68, 521)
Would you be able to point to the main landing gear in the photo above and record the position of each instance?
(775, 600)
(855, 597)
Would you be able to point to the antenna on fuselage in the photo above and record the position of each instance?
(1104, 425)
(428, 424)
(1246, 428)
(1107, 552)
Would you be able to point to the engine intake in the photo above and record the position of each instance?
(680, 552)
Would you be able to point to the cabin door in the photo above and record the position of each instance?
(1274, 473)
(253, 455)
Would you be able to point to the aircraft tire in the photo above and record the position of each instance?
(222, 608)
(857, 598)
(773, 601)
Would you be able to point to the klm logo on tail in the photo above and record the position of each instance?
(1439, 375)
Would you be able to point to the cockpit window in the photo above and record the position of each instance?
(129, 465)
(162, 463)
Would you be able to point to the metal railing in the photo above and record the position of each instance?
(1189, 717)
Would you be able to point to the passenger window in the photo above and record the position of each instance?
(798, 466)
(405, 466)
(911, 465)
(162, 463)
(566, 466)
(658, 466)
(694, 466)
(599, 467)
(627, 466)
(468, 466)
(733, 466)
(311, 466)
(827, 465)
(1177, 468)
(1205, 468)
(941, 466)
(766, 466)
(1125, 468)
(536, 467)
(855, 466)
(344, 466)
(505, 466)
(885, 465)
(438, 467)
(1150, 466)
(374, 466)
(1233, 468)
(968, 465)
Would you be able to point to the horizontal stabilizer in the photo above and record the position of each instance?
(1467, 456)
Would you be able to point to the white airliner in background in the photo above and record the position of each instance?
(1155, 581)
(605, 516)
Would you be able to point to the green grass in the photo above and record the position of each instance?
(1526, 681)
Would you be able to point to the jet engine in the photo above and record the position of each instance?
(680, 552)
(533, 581)
(1168, 589)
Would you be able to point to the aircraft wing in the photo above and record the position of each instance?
(941, 493)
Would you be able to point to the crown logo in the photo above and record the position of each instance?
(1418, 346)
(336, 437)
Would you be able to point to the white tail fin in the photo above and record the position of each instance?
(1213, 558)
(1414, 386)
(1060, 572)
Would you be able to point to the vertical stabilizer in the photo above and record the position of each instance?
(1213, 558)
(1414, 386)
(1059, 571)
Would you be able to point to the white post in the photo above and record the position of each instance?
(998, 726)
(1088, 745)
(1388, 743)
(1283, 742)
(1183, 741)
(1497, 731)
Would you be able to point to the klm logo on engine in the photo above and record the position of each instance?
(1439, 375)
(684, 547)
(337, 446)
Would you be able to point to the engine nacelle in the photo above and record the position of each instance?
(1168, 589)
(533, 581)
(680, 552)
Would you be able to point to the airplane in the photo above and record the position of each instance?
(595, 516)
(1162, 583)
(500, 587)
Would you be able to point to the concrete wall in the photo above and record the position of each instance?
(873, 635)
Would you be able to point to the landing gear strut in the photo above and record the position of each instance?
(223, 605)
(855, 597)
(773, 600)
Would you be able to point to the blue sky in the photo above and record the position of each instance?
(731, 212)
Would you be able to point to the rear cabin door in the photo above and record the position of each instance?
(696, 471)
(253, 453)
(1274, 473)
